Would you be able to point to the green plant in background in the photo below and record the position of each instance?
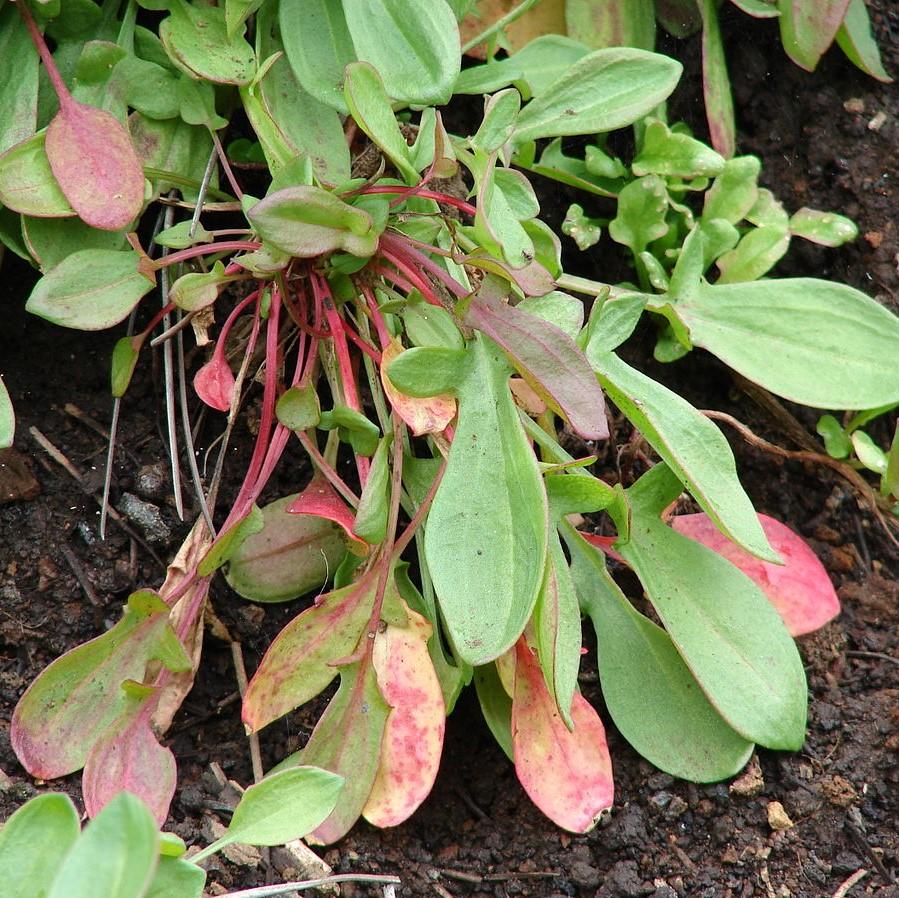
(406, 314)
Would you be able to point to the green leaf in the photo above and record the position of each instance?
(505, 199)
(824, 228)
(690, 444)
(868, 452)
(486, 537)
(553, 163)
(355, 429)
(198, 289)
(286, 805)
(369, 105)
(428, 370)
(177, 878)
(760, 9)
(183, 235)
(308, 221)
(557, 308)
(719, 102)
(61, 714)
(734, 191)
(673, 155)
(815, 342)
(496, 706)
(500, 115)
(18, 79)
(836, 442)
(808, 28)
(758, 251)
(605, 90)
(642, 207)
(582, 229)
(649, 691)
(91, 289)
(124, 360)
(298, 407)
(857, 41)
(415, 46)
(115, 857)
(611, 323)
(7, 418)
(50, 240)
(174, 147)
(33, 843)
(27, 184)
(890, 484)
(196, 39)
(319, 51)
(227, 543)
(724, 627)
(371, 515)
(613, 23)
(236, 14)
(429, 325)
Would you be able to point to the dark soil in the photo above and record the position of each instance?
(828, 140)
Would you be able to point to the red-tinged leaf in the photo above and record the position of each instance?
(422, 415)
(413, 736)
(604, 543)
(128, 758)
(58, 719)
(545, 356)
(347, 740)
(214, 383)
(299, 663)
(321, 499)
(719, 104)
(566, 773)
(94, 162)
(799, 589)
(808, 28)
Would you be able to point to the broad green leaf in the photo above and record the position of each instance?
(290, 555)
(808, 28)
(284, 806)
(198, 289)
(91, 289)
(722, 624)
(486, 538)
(690, 444)
(567, 773)
(546, 357)
(147, 87)
(319, 51)
(673, 155)
(196, 39)
(27, 184)
(612, 23)
(825, 228)
(115, 857)
(428, 370)
(500, 115)
(496, 706)
(650, 693)
(836, 441)
(7, 418)
(371, 515)
(415, 46)
(308, 221)
(177, 878)
(758, 251)
(857, 41)
(812, 341)
(369, 105)
(127, 757)
(413, 736)
(354, 428)
(719, 103)
(298, 665)
(611, 323)
(347, 741)
(95, 164)
(183, 235)
(557, 308)
(760, 9)
(236, 14)
(421, 414)
(557, 628)
(18, 79)
(62, 713)
(800, 588)
(33, 843)
(640, 218)
(605, 90)
(734, 192)
(429, 325)
(298, 408)
(50, 240)
(229, 542)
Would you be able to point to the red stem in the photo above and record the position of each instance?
(411, 256)
(444, 198)
(59, 86)
(376, 316)
(205, 249)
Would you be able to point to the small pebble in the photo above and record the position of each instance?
(778, 819)
(147, 517)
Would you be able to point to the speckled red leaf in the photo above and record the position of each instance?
(799, 589)
(214, 383)
(94, 162)
(427, 415)
(321, 499)
(127, 757)
(566, 773)
(413, 736)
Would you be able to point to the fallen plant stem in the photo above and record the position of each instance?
(285, 887)
(849, 882)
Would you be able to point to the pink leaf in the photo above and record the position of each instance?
(413, 737)
(428, 415)
(214, 383)
(93, 159)
(127, 757)
(566, 773)
(604, 543)
(321, 499)
(799, 589)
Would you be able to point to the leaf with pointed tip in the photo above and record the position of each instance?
(413, 735)
(7, 418)
(214, 383)
(824, 228)
(321, 500)
(33, 843)
(95, 165)
(800, 588)
(422, 414)
(372, 513)
(127, 757)
(546, 357)
(27, 184)
(92, 289)
(58, 719)
(18, 79)
(347, 741)
(566, 773)
(486, 538)
(857, 41)
(198, 289)
(758, 251)
(719, 101)
(808, 28)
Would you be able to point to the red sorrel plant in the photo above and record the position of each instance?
(412, 335)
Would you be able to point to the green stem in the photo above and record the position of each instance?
(499, 24)
(589, 288)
